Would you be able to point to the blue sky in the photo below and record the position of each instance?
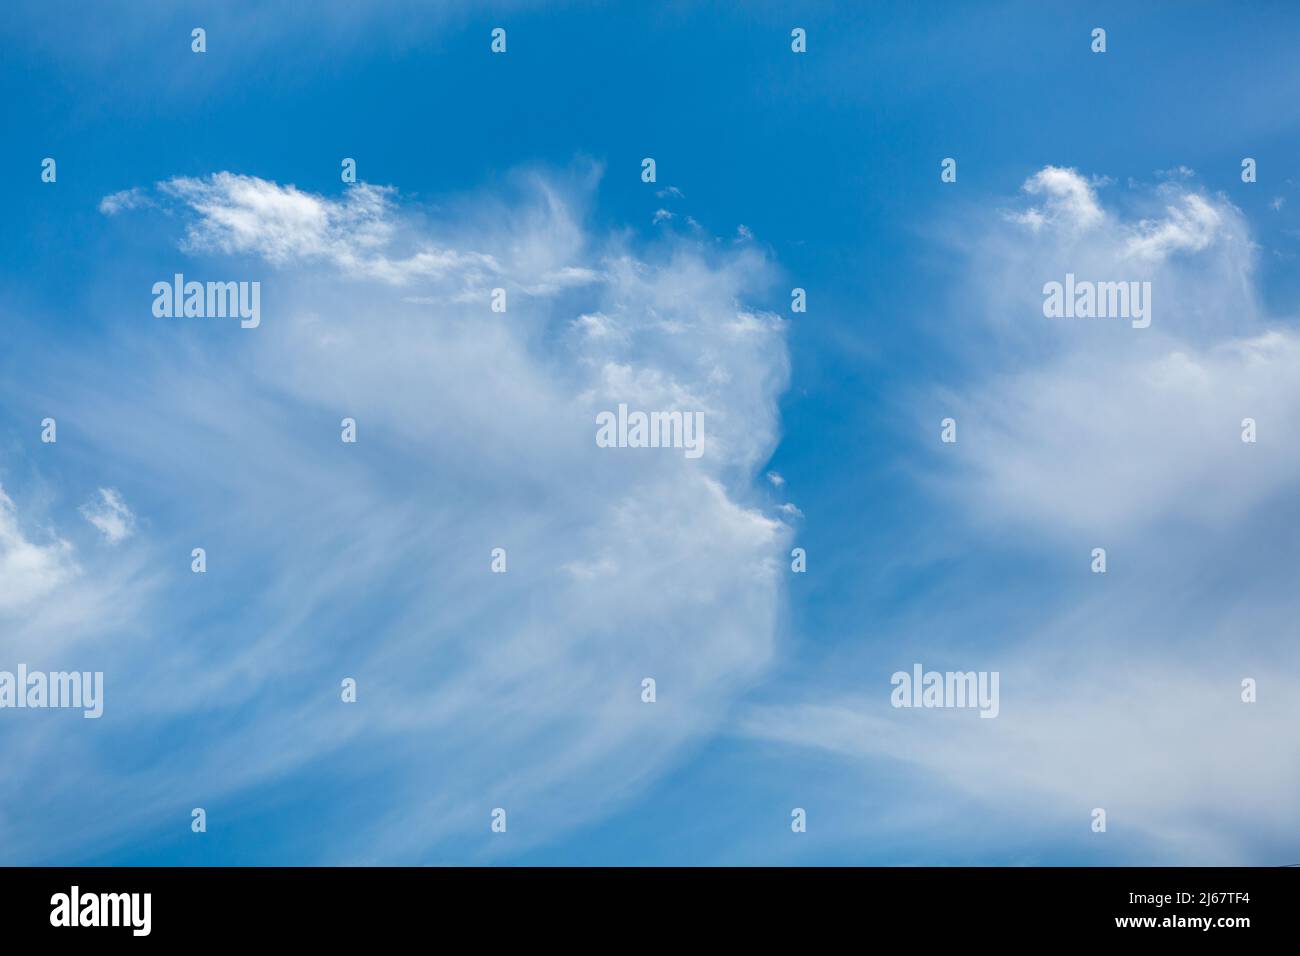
(774, 170)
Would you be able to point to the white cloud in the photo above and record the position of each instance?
(282, 224)
(110, 516)
(597, 325)
(1069, 200)
(126, 199)
(1074, 424)
(1188, 227)
(1165, 746)
(1110, 448)
(29, 571)
(475, 431)
(1119, 690)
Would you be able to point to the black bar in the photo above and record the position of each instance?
(212, 904)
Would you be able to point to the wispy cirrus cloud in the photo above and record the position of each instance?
(476, 431)
(1121, 690)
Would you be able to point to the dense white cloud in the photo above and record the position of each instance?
(1188, 227)
(1069, 201)
(282, 224)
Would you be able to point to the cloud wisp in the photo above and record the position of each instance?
(373, 560)
(1127, 689)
